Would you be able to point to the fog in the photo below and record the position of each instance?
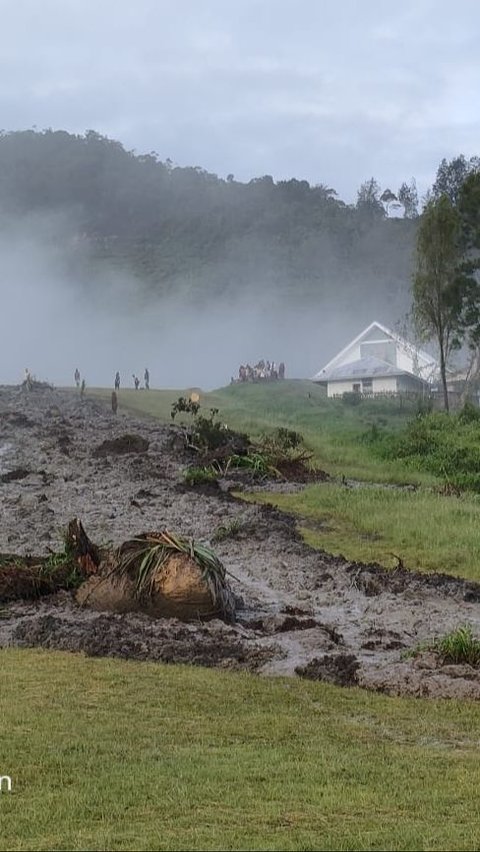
(52, 322)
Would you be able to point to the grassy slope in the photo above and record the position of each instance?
(112, 755)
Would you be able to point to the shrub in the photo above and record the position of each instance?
(352, 398)
(206, 433)
(287, 439)
(446, 445)
(200, 475)
(469, 414)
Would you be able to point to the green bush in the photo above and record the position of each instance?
(446, 445)
(207, 433)
(351, 398)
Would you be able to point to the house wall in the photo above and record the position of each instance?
(388, 384)
(380, 385)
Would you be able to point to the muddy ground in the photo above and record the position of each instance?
(301, 612)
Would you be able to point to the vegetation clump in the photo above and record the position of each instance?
(459, 647)
(29, 577)
(445, 445)
(207, 433)
(279, 454)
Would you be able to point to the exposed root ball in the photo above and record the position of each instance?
(163, 575)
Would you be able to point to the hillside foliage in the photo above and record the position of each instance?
(182, 228)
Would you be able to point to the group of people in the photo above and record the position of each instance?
(80, 383)
(136, 380)
(264, 371)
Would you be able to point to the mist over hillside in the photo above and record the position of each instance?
(111, 260)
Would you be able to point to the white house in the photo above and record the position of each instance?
(378, 361)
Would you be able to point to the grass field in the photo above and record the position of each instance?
(109, 755)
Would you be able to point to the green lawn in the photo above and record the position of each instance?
(430, 532)
(114, 755)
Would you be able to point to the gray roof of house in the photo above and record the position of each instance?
(365, 368)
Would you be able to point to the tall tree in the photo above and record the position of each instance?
(452, 175)
(368, 200)
(469, 211)
(438, 288)
(408, 196)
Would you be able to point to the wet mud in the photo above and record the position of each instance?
(300, 612)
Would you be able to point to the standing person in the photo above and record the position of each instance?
(114, 402)
(117, 381)
(82, 388)
(146, 376)
(28, 379)
(281, 370)
(77, 377)
(136, 381)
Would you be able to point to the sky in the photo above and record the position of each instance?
(334, 92)
(331, 91)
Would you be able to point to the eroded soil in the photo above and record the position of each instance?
(300, 611)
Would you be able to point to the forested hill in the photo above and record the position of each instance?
(175, 228)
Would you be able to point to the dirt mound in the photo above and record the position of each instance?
(138, 637)
(162, 574)
(424, 676)
(298, 471)
(341, 669)
(122, 445)
(374, 580)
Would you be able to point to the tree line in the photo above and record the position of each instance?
(182, 229)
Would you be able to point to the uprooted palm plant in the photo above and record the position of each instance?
(163, 564)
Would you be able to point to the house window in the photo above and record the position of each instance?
(367, 386)
(356, 387)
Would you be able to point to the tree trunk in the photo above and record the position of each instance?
(85, 553)
(443, 372)
(473, 373)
